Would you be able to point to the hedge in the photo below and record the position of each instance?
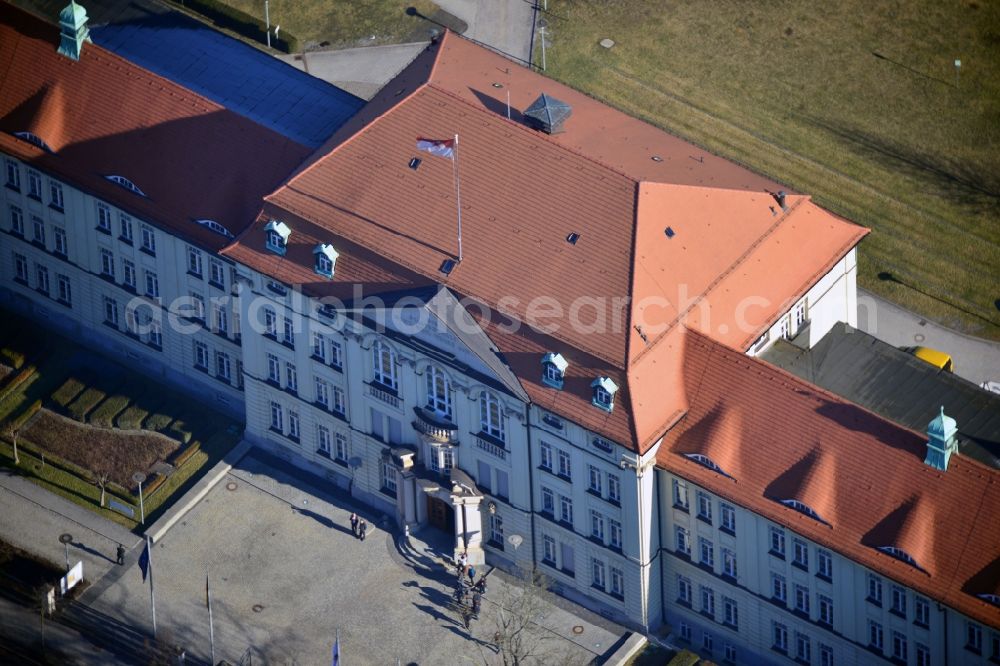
(86, 402)
(242, 23)
(18, 379)
(157, 421)
(149, 488)
(186, 454)
(24, 416)
(14, 358)
(104, 415)
(131, 418)
(66, 393)
(180, 431)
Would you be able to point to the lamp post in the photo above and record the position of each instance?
(139, 477)
(66, 539)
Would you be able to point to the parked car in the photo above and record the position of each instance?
(938, 359)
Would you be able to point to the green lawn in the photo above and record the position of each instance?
(855, 103)
(344, 23)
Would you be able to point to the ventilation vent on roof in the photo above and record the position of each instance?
(447, 266)
(656, 158)
(705, 461)
(34, 140)
(803, 508)
(216, 227)
(900, 555)
(127, 184)
(547, 114)
(415, 162)
(573, 238)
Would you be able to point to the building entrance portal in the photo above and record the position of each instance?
(440, 514)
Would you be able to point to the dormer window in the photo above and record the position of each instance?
(900, 555)
(604, 393)
(326, 259)
(126, 183)
(553, 369)
(34, 140)
(277, 234)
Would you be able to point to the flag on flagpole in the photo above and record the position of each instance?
(336, 650)
(439, 147)
(144, 562)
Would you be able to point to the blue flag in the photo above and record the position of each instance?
(336, 652)
(144, 562)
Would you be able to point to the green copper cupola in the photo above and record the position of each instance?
(941, 442)
(73, 31)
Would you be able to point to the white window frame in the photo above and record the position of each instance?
(777, 540)
(614, 488)
(384, 365)
(491, 418)
(438, 391)
(706, 552)
(597, 525)
(598, 578)
(65, 289)
(387, 475)
(322, 439)
(148, 238)
(277, 417)
(194, 261)
(200, 355)
(565, 464)
(124, 226)
(128, 273)
(704, 506)
(16, 220)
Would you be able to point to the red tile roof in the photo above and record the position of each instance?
(523, 192)
(103, 115)
(778, 438)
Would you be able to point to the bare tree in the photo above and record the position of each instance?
(518, 638)
(13, 435)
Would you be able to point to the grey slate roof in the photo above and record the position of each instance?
(896, 385)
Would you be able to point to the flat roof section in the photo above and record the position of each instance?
(896, 385)
(237, 76)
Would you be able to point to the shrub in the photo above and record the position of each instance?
(19, 378)
(152, 486)
(179, 430)
(80, 407)
(240, 22)
(25, 416)
(186, 454)
(65, 394)
(157, 421)
(13, 357)
(104, 415)
(131, 418)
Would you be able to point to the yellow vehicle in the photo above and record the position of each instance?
(936, 358)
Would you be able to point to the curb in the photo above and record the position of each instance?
(633, 644)
(158, 529)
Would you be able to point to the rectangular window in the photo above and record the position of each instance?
(825, 564)
(59, 238)
(502, 490)
(496, 530)
(778, 588)
(615, 533)
(545, 460)
(277, 417)
(565, 510)
(707, 642)
(803, 648)
(973, 637)
(565, 469)
(802, 599)
(148, 239)
(42, 279)
(898, 601)
(728, 563)
(322, 393)
(923, 655)
(341, 441)
(685, 631)
(683, 538)
(730, 612)
(128, 274)
(216, 273)
(273, 369)
(289, 333)
(155, 336)
(34, 185)
(728, 518)
(103, 218)
(336, 355)
(13, 174)
(780, 633)
(270, 323)
(875, 589)
(614, 489)
(339, 404)
(323, 440)
(706, 552)
(800, 553)
(152, 285)
(291, 377)
(825, 610)
(201, 355)
(921, 611)
(221, 318)
(484, 476)
(731, 653)
(899, 646)
(549, 550)
(20, 267)
(65, 294)
(16, 221)
(548, 502)
(707, 601)
(38, 230)
(777, 541)
(680, 494)
(388, 476)
(319, 347)
(597, 573)
(825, 655)
(293, 424)
(55, 195)
(568, 559)
(875, 634)
(595, 479)
(704, 506)
(617, 582)
(597, 525)
(107, 263)
(194, 261)
(683, 589)
(223, 368)
(124, 227)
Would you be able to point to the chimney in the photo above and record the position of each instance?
(941, 441)
(73, 31)
(547, 114)
(780, 197)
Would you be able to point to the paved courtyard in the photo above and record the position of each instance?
(287, 574)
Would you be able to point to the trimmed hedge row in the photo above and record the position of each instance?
(240, 22)
(186, 454)
(13, 357)
(132, 418)
(104, 415)
(180, 431)
(80, 407)
(24, 416)
(66, 393)
(157, 421)
(154, 485)
(18, 379)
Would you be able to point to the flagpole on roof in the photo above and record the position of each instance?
(458, 198)
(152, 596)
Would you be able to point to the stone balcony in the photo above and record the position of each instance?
(434, 427)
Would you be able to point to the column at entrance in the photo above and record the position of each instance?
(466, 500)
(406, 510)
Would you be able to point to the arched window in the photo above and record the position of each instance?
(438, 392)
(384, 359)
(491, 415)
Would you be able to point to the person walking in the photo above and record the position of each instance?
(472, 575)
(466, 618)
(477, 601)
(120, 554)
(362, 528)
(354, 523)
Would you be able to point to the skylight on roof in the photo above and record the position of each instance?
(900, 555)
(216, 227)
(705, 461)
(802, 508)
(34, 140)
(126, 183)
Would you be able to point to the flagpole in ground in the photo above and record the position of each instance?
(211, 626)
(152, 596)
(458, 198)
